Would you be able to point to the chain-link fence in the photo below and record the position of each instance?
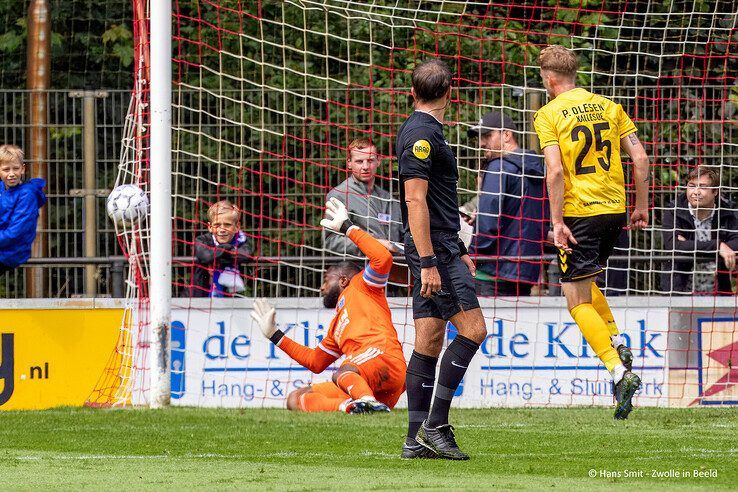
(681, 126)
(63, 233)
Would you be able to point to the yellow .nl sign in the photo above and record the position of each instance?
(54, 357)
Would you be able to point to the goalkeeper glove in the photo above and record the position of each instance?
(337, 219)
(264, 313)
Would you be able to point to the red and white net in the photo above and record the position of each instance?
(267, 96)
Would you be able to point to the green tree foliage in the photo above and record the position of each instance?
(91, 44)
(330, 71)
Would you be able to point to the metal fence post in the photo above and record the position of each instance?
(117, 281)
(534, 104)
(90, 191)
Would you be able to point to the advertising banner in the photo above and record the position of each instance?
(532, 356)
(717, 374)
(53, 357)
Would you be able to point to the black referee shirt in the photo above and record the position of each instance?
(424, 153)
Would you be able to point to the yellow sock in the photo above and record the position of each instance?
(595, 331)
(603, 309)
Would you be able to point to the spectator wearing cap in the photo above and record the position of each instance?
(513, 215)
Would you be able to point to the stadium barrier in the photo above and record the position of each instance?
(534, 354)
(116, 268)
(53, 352)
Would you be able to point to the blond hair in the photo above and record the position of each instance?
(223, 207)
(11, 153)
(559, 60)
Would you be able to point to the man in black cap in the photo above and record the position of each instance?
(513, 214)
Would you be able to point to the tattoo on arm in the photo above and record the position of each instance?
(633, 138)
(648, 178)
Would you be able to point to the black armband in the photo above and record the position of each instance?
(346, 225)
(276, 337)
(428, 261)
(462, 248)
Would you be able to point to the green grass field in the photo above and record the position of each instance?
(274, 449)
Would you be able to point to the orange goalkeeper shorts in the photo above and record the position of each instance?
(384, 373)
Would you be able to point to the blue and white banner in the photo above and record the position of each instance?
(533, 356)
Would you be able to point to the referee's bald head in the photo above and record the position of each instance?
(431, 80)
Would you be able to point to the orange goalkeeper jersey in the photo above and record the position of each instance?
(363, 320)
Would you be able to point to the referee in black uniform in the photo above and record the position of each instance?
(443, 271)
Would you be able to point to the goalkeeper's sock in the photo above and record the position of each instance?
(595, 331)
(316, 402)
(453, 367)
(353, 384)
(420, 379)
(603, 309)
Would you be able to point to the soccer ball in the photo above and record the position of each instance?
(127, 203)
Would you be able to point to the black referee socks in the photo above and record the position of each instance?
(453, 367)
(421, 376)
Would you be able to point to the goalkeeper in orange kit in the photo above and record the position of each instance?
(372, 376)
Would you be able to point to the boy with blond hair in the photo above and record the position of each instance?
(20, 202)
(220, 253)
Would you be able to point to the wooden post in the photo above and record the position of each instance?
(534, 104)
(38, 81)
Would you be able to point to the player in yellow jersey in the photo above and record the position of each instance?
(581, 135)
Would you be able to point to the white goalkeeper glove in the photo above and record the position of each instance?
(337, 219)
(264, 313)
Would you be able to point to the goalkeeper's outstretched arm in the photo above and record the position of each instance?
(376, 273)
(315, 360)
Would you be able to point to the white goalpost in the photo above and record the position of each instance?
(160, 283)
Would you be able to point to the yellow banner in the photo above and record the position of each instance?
(51, 358)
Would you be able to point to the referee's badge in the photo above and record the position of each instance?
(421, 149)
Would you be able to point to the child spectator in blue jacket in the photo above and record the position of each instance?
(19, 205)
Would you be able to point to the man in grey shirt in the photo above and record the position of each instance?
(370, 207)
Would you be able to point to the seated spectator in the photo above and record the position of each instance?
(370, 207)
(703, 224)
(513, 214)
(220, 253)
(19, 205)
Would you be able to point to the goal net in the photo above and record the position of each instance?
(267, 97)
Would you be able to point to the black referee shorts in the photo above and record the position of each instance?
(457, 284)
(596, 237)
